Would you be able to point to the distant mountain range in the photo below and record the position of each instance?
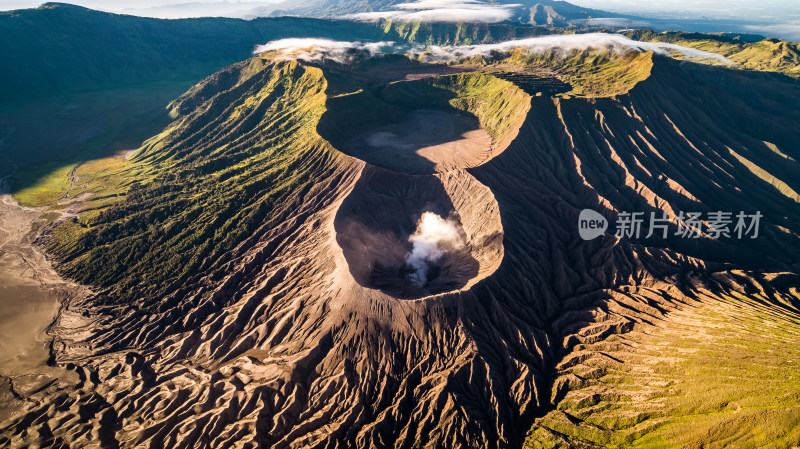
(135, 49)
(68, 39)
(60, 49)
(537, 12)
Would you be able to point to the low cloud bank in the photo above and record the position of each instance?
(318, 49)
(790, 30)
(312, 49)
(472, 11)
(433, 237)
(614, 43)
(615, 22)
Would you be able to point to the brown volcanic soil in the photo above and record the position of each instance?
(426, 142)
(293, 347)
(30, 295)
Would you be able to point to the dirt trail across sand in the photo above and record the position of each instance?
(30, 296)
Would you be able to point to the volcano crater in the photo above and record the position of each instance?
(378, 227)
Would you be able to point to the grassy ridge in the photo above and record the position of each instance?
(202, 187)
(498, 104)
(460, 33)
(591, 73)
(773, 55)
(714, 375)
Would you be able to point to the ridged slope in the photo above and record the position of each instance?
(264, 339)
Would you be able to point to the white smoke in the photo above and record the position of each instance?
(462, 11)
(319, 49)
(433, 237)
(613, 43)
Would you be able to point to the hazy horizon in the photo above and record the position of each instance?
(712, 9)
(773, 18)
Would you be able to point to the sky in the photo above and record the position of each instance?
(715, 9)
(767, 10)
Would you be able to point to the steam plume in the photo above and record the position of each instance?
(434, 235)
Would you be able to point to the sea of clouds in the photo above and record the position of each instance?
(473, 11)
(319, 49)
(316, 50)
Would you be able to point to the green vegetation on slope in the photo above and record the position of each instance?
(203, 186)
(499, 105)
(588, 73)
(461, 33)
(772, 55)
(59, 47)
(715, 374)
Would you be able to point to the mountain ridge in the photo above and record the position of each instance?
(277, 343)
(549, 11)
(249, 260)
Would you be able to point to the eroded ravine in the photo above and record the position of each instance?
(280, 345)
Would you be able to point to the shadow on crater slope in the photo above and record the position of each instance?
(375, 222)
(426, 126)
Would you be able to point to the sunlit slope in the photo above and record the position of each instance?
(433, 33)
(237, 163)
(713, 367)
(773, 54)
(79, 85)
(233, 307)
(587, 74)
(711, 372)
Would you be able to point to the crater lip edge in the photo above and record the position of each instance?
(373, 225)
